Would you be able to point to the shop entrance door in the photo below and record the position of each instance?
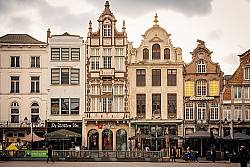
(107, 140)
(93, 139)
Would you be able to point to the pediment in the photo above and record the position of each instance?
(156, 39)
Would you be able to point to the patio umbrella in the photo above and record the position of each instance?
(237, 136)
(28, 138)
(201, 134)
(58, 137)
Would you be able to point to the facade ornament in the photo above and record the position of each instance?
(201, 43)
(156, 19)
(123, 28)
(90, 26)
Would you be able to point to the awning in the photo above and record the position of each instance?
(237, 136)
(58, 137)
(65, 132)
(28, 138)
(198, 135)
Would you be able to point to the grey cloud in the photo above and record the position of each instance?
(20, 23)
(231, 59)
(134, 8)
(215, 34)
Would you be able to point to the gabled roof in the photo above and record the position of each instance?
(245, 53)
(19, 39)
(227, 77)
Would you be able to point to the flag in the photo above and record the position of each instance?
(100, 93)
(112, 94)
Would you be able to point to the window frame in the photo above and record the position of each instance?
(106, 104)
(156, 52)
(155, 77)
(156, 105)
(166, 54)
(33, 109)
(60, 110)
(189, 87)
(141, 101)
(118, 104)
(119, 63)
(247, 112)
(15, 61)
(145, 53)
(36, 63)
(107, 62)
(56, 76)
(247, 73)
(140, 77)
(14, 107)
(189, 108)
(172, 77)
(202, 86)
(214, 111)
(15, 83)
(201, 111)
(237, 112)
(227, 112)
(237, 92)
(107, 30)
(36, 81)
(172, 105)
(201, 66)
(214, 87)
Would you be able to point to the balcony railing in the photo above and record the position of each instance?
(22, 124)
(106, 115)
(107, 72)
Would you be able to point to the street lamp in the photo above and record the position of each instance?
(31, 128)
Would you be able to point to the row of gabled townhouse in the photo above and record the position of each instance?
(104, 93)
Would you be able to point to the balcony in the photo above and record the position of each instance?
(22, 124)
(107, 72)
(106, 115)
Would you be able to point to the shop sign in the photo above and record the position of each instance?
(201, 98)
(104, 126)
(36, 154)
(64, 125)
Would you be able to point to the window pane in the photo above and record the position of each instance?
(75, 53)
(64, 106)
(65, 53)
(74, 105)
(55, 106)
(156, 51)
(140, 77)
(55, 53)
(55, 76)
(75, 76)
(65, 76)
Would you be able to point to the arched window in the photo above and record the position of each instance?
(214, 109)
(121, 140)
(93, 140)
(145, 53)
(14, 112)
(201, 67)
(34, 112)
(201, 88)
(156, 51)
(107, 140)
(166, 53)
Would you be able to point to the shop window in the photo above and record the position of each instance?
(121, 140)
(107, 140)
(93, 140)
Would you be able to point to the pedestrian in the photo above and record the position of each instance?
(50, 154)
(243, 155)
(174, 153)
(213, 153)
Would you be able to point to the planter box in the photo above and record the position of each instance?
(165, 159)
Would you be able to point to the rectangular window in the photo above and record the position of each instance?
(65, 106)
(107, 52)
(35, 62)
(55, 76)
(119, 52)
(75, 53)
(64, 53)
(107, 31)
(156, 104)
(156, 77)
(107, 104)
(247, 73)
(171, 77)
(55, 103)
(201, 88)
(247, 112)
(55, 53)
(189, 111)
(34, 85)
(94, 63)
(214, 110)
(172, 106)
(140, 77)
(141, 104)
(14, 85)
(119, 63)
(237, 92)
(227, 112)
(107, 88)
(106, 62)
(237, 112)
(214, 88)
(95, 89)
(118, 90)
(189, 88)
(95, 52)
(201, 114)
(118, 106)
(15, 61)
(75, 76)
(247, 92)
(65, 76)
(95, 104)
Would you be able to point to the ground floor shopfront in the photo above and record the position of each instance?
(106, 135)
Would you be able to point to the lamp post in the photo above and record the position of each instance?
(31, 128)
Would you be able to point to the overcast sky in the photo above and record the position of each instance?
(223, 24)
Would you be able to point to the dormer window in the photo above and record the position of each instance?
(201, 67)
(156, 51)
(247, 73)
(107, 31)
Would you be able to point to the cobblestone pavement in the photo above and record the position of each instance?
(111, 164)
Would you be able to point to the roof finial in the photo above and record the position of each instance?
(90, 26)
(107, 5)
(200, 42)
(156, 19)
(123, 28)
